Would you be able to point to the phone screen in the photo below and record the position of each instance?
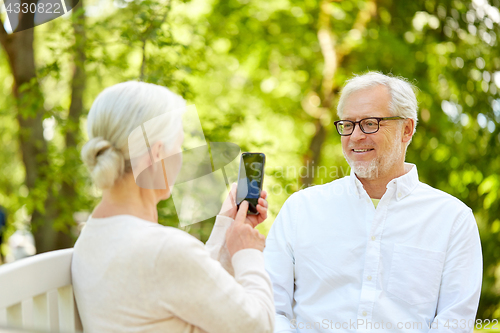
(250, 180)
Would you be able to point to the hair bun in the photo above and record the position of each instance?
(105, 163)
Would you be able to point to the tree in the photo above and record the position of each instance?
(30, 114)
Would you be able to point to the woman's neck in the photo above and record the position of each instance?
(125, 197)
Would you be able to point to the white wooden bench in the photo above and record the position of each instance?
(36, 293)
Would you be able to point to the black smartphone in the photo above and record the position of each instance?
(250, 180)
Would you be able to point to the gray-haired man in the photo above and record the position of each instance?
(377, 251)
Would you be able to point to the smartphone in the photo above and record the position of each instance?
(250, 180)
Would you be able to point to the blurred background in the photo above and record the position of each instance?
(265, 75)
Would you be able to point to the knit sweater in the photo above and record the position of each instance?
(133, 275)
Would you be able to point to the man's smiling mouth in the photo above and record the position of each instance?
(362, 150)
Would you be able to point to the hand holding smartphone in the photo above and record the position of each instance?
(239, 193)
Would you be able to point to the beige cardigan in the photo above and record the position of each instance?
(132, 275)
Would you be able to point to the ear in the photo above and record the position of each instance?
(408, 129)
(157, 150)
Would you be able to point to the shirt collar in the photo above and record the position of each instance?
(404, 185)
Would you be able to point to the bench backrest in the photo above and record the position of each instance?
(36, 293)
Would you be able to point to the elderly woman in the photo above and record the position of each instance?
(131, 274)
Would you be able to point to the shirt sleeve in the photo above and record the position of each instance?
(280, 264)
(216, 244)
(200, 292)
(461, 280)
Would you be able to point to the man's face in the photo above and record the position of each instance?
(385, 155)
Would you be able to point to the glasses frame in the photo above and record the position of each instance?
(379, 119)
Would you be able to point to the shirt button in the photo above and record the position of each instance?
(373, 238)
(369, 277)
(400, 195)
(364, 313)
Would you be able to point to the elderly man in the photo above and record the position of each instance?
(377, 251)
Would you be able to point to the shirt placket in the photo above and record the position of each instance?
(372, 259)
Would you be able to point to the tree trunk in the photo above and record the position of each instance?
(30, 112)
(333, 55)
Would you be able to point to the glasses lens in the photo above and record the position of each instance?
(344, 127)
(370, 125)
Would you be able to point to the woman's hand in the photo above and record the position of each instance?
(229, 208)
(241, 235)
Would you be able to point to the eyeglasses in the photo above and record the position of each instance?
(367, 125)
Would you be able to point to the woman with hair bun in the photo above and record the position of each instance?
(131, 274)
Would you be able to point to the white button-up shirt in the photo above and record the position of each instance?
(337, 264)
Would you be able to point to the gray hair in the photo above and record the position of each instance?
(403, 101)
(115, 113)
